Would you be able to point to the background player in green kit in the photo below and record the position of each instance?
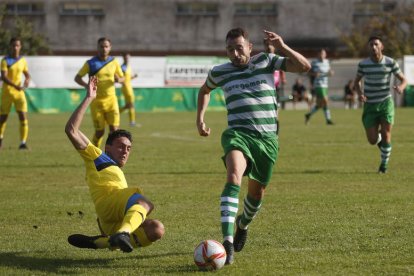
(250, 142)
(320, 71)
(378, 114)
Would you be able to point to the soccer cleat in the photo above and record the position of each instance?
(382, 169)
(122, 241)
(82, 241)
(307, 118)
(329, 122)
(23, 146)
(240, 237)
(228, 246)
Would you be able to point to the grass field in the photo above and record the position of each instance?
(326, 211)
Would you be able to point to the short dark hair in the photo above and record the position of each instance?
(14, 39)
(102, 39)
(237, 32)
(116, 134)
(373, 37)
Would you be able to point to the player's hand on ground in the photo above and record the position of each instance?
(92, 87)
(202, 129)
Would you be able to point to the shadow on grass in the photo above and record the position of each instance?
(183, 269)
(325, 172)
(177, 173)
(17, 261)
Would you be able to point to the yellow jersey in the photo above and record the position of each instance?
(103, 174)
(105, 71)
(14, 68)
(126, 69)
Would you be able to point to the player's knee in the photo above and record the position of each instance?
(146, 204)
(234, 178)
(157, 230)
(372, 142)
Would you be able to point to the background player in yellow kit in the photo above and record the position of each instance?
(127, 89)
(104, 108)
(121, 211)
(13, 67)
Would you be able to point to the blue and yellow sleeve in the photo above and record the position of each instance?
(84, 70)
(3, 65)
(90, 152)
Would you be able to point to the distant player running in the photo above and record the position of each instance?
(320, 71)
(13, 67)
(122, 211)
(127, 89)
(250, 142)
(104, 109)
(378, 114)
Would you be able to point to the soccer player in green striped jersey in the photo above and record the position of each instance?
(378, 114)
(250, 142)
(320, 71)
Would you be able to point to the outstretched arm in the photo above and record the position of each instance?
(202, 104)
(78, 139)
(295, 63)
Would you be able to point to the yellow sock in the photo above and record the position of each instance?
(24, 130)
(97, 141)
(131, 112)
(133, 218)
(2, 129)
(139, 238)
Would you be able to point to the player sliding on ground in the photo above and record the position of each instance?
(250, 142)
(122, 211)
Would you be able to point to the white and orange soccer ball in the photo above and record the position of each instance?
(209, 255)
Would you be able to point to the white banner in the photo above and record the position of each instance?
(60, 71)
(189, 71)
(409, 69)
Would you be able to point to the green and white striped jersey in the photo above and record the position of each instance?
(377, 78)
(249, 92)
(322, 67)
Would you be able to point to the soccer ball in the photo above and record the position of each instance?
(209, 255)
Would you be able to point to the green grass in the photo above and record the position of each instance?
(326, 210)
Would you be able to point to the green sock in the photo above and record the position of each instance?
(385, 149)
(229, 203)
(251, 208)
